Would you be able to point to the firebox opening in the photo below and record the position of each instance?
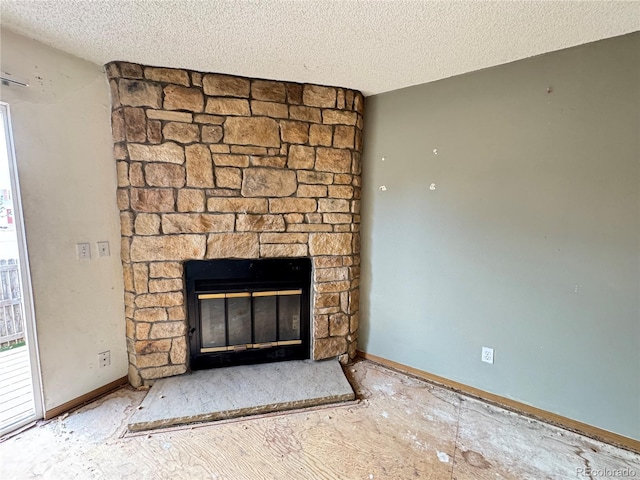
(248, 311)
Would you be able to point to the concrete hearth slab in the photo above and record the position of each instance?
(231, 392)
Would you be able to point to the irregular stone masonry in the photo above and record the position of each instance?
(217, 166)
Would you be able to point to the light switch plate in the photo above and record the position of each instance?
(84, 251)
(103, 249)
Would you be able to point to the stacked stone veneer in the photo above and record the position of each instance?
(216, 166)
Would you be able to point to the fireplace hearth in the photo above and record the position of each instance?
(248, 311)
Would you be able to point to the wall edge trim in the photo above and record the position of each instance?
(575, 426)
(86, 398)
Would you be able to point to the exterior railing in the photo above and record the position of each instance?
(11, 314)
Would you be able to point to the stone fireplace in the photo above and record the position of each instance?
(219, 167)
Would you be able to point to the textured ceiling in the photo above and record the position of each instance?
(373, 46)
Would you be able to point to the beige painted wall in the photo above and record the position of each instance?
(62, 134)
(530, 241)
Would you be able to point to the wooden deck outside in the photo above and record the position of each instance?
(16, 391)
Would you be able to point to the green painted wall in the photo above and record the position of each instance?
(530, 242)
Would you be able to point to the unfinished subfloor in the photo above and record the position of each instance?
(402, 428)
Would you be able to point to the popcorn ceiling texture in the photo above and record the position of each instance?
(371, 46)
(217, 166)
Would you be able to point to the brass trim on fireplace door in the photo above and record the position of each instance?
(290, 292)
(210, 295)
(237, 295)
(214, 349)
(289, 342)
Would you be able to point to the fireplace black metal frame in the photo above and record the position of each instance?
(204, 277)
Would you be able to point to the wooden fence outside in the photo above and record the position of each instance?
(11, 313)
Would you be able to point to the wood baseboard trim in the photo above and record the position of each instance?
(87, 397)
(513, 405)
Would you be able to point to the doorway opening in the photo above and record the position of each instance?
(20, 393)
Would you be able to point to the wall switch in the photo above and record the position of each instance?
(103, 249)
(487, 355)
(84, 251)
(104, 358)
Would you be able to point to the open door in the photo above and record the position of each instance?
(20, 386)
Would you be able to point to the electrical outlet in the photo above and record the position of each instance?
(84, 251)
(104, 358)
(103, 249)
(487, 355)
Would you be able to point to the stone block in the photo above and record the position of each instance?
(259, 223)
(258, 131)
(329, 347)
(127, 274)
(228, 106)
(141, 278)
(301, 157)
(165, 285)
(167, 330)
(292, 205)
(122, 171)
(270, 237)
(142, 330)
(268, 91)
(196, 223)
(135, 122)
(117, 125)
(315, 178)
(164, 175)
(338, 324)
(237, 205)
(152, 314)
(317, 96)
(130, 70)
(183, 98)
(344, 137)
(304, 227)
(169, 299)
(276, 162)
(331, 274)
(333, 205)
(196, 79)
(313, 218)
(330, 243)
(136, 93)
(331, 286)
(333, 160)
(152, 199)
(169, 116)
(283, 250)
(209, 119)
(126, 224)
(199, 166)
(161, 372)
(249, 150)
(191, 200)
(306, 114)
(293, 218)
(154, 131)
(178, 352)
(233, 245)
(294, 132)
(311, 190)
(269, 109)
(172, 247)
(219, 148)
(342, 178)
(320, 326)
(181, 132)
(165, 270)
(340, 191)
(177, 313)
(166, 152)
(211, 133)
(324, 300)
(268, 182)
(354, 322)
(320, 135)
(145, 347)
(337, 218)
(228, 177)
(225, 86)
(294, 93)
(333, 117)
(152, 360)
(167, 75)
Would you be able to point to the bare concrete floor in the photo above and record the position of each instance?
(403, 428)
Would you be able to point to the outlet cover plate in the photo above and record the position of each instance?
(487, 355)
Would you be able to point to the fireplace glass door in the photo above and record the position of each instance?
(249, 320)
